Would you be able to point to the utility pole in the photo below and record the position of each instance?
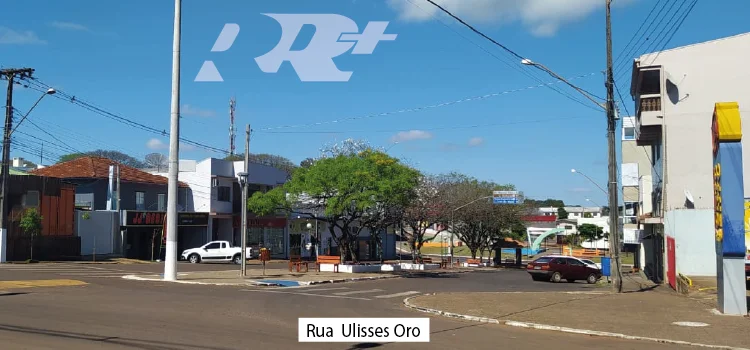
(170, 256)
(10, 75)
(614, 227)
(244, 200)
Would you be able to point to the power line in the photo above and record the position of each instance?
(421, 108)
(114, 116)
(516, 66)
(678, 26)
(431, 129)
(49, 134)
(625, 48)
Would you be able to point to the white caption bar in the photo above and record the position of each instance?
(359, 330)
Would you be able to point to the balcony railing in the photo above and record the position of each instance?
(650, 104)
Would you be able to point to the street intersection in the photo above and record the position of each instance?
(108, 312)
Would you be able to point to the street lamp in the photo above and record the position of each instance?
(590, 180)
(49, 92)
(453, 212)
(393, 145)
(242, 177)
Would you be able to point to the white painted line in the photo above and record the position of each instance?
(313, 289)
(359, 292)
(397, 295)
(307, 294)
(90, 273)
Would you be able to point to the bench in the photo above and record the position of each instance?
(296, 261)
(426, 260)
(328, 259)
(473, 262)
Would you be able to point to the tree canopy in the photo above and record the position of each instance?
(116, 156)
(346, 192)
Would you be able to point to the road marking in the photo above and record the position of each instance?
(396, 295)
(95, 273)
(313, 289)
(40, 283)
(306, 294)
(359, 292)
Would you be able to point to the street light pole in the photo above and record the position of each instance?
(48, 92)
(574, 171)
(453, 212)
(170, 256)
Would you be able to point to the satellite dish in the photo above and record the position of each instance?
(689, 196)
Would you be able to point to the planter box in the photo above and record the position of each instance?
(484, 264)
(419, 267)
(360, 268)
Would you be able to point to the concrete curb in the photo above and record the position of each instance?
(545, 327)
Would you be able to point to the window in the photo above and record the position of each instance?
(575, 262)
(215, 245)
(630, 214)
(223, 194)
(561, 261)
(628, 133)
(214, 182)
(140, 201)
(568, 227)
(31, 199)
(162, 202)
(223, 246)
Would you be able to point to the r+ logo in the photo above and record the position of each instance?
(334, 35)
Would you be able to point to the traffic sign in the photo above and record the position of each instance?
(506, 197)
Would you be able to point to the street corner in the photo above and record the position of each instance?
(10, 286)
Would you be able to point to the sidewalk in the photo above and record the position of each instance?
(280, 277)
(648, 315)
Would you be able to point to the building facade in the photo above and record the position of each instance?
(215, 191)
(675, 92)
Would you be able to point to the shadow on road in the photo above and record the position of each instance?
(12, 294)
(429, 275)
(133, 343)
(365, 346)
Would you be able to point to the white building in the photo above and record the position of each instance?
(675, 92)
(573, 212)
(216, 190)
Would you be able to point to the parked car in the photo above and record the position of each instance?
(216, 251)
(557, 268)
(592, 263)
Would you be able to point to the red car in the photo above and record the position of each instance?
(557, 268)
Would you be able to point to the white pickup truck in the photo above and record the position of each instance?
(219, 251)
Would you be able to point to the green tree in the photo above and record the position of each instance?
(306, 163)
(562, 213)
(426, 208)
(343, 192)
(557, 203)
(116, 156)
(31, 225)
(590, 232)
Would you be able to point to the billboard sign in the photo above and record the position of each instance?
(506, 197)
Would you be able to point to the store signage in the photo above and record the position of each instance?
(157, 218)
(729, 202)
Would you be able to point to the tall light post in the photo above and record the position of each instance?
(574, 171)
(48, 92)
(170, 256)
(453, 212)
(592, 201)
(242, 177)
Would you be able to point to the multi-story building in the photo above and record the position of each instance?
(573, 212)
(215, 190)
(675, 92)
(636, 186)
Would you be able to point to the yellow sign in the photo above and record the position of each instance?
(727, 123)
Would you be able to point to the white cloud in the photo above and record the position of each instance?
(411, 135)
(476, 141)
(159, 145)
(541, 17)
(69, 26)
(188, 110)
(10, 36)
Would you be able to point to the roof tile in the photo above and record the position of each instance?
(98, 168)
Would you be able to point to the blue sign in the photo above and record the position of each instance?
(730, 201)
(498, 200)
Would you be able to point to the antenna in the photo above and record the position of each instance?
(232, 130)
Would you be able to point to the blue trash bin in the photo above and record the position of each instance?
(606, 267)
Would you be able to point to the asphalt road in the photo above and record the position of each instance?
(113, 313)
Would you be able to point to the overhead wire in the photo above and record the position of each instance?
(676, 29)
(505, 48)
(622, 56)
(416, 109)
(62, 95)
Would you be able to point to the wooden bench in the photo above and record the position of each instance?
(328, 259)
(473, 262)
(296, 261)
(426, 260)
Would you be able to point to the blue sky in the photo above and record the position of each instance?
(117, 55)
